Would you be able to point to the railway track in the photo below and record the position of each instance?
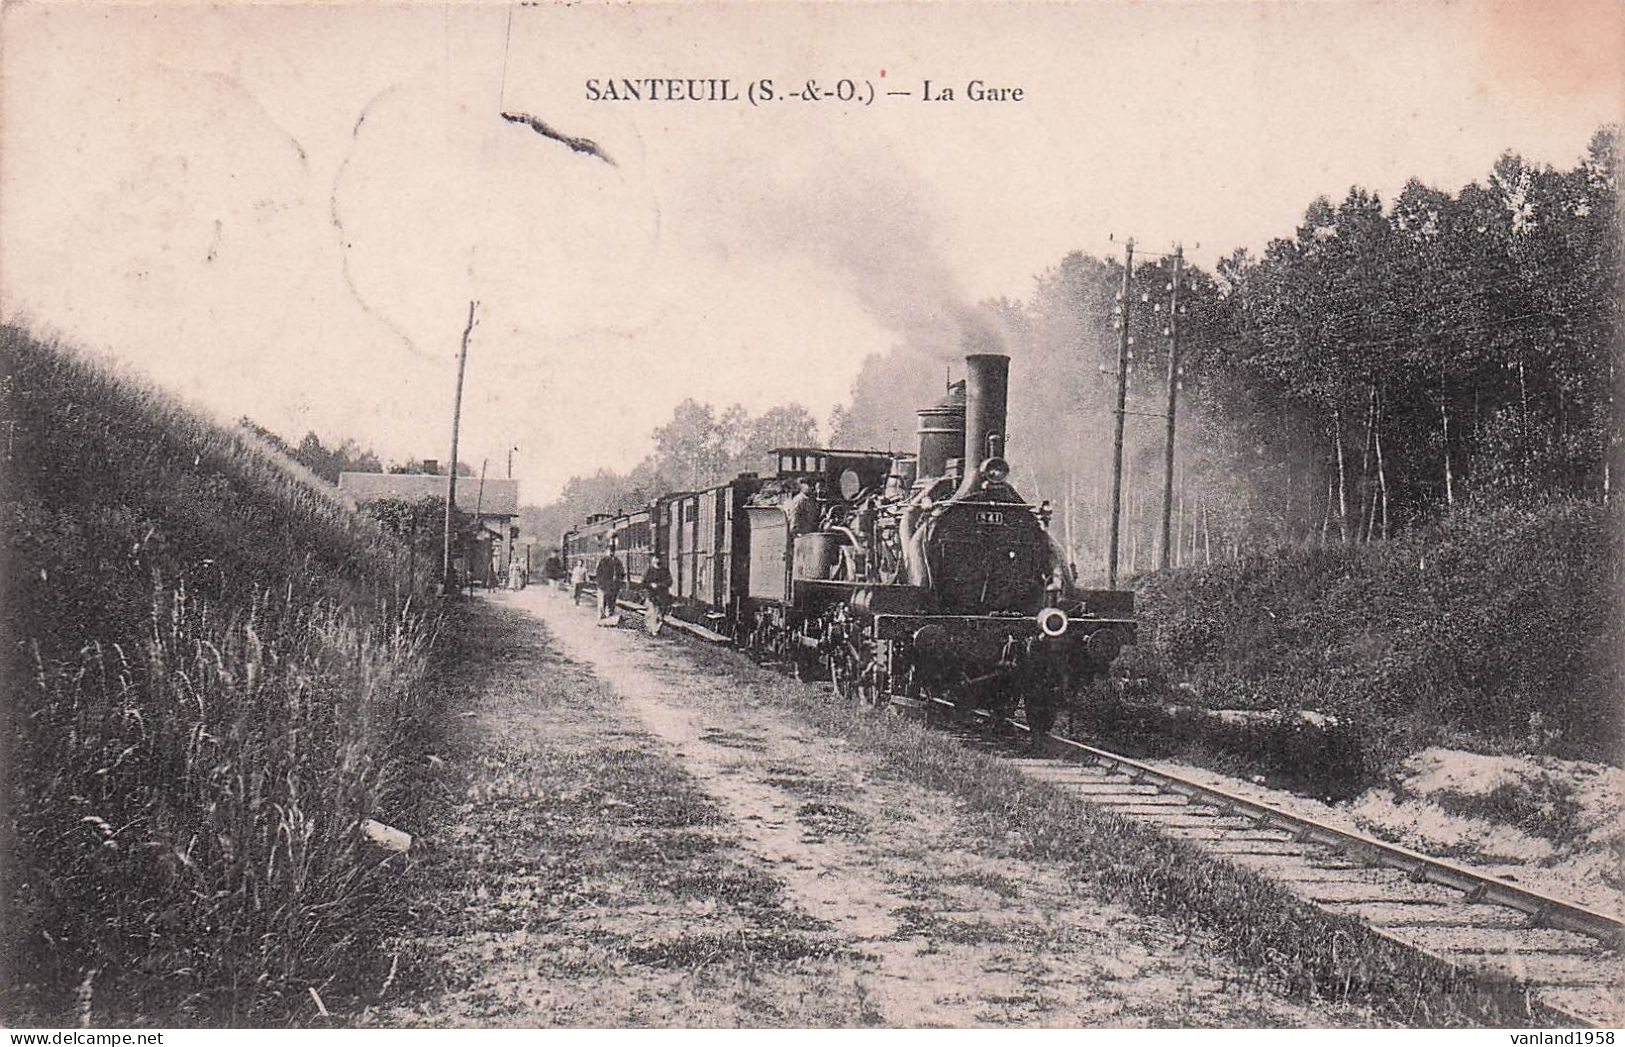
(1569, 955)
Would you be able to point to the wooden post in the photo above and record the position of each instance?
(1173, 392)
(1071, 543)
(448, 584)
(1122, 401)
(479, 512)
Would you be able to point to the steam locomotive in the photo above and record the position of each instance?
(917, 579)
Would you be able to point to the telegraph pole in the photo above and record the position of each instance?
(1122, 400)
(448, 581)
(1173, 393)
(508, 539)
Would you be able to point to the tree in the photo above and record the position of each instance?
(789, 426)
(692, 448)
(325, 462)
(419, 526)
(1372, 369)
(413, 465)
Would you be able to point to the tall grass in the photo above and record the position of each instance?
(214, 675)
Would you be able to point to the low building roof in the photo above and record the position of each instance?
(499, 497)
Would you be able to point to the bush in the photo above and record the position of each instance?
(1494, 628)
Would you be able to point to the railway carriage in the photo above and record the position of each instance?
(587, 542)
(706, 540)
(631, 536)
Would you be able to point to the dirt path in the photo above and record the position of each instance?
(642, 844)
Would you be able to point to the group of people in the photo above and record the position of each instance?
(609, 575)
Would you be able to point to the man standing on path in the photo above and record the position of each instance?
(657, 583)
(578, 581)
(609, 576)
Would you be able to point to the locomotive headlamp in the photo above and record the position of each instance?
(1052, 621)
(996, 469)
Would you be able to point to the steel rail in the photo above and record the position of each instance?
(1543, 909)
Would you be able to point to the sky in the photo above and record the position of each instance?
(284, 211)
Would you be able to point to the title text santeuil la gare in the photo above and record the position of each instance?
(708, 89)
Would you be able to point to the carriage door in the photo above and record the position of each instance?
(691, 540)
(671, 514)
(707, 561)
(727, 586)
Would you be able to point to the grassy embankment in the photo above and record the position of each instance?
(1493, 630)
(213, 672)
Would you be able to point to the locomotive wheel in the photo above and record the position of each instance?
(1044, 698)
(1075, 698)
(802, 661)
(807, 665)
(1042, 708)
(846, 673)
(840, 675)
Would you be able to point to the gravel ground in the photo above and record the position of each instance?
(630, 842)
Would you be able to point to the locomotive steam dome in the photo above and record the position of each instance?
(942, 432)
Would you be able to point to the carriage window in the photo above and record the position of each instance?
(850, 484)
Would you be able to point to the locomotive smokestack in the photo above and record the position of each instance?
(987, 383)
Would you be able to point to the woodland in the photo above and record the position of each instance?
(1386, 362)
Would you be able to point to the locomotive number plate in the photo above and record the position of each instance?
(989, 516)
